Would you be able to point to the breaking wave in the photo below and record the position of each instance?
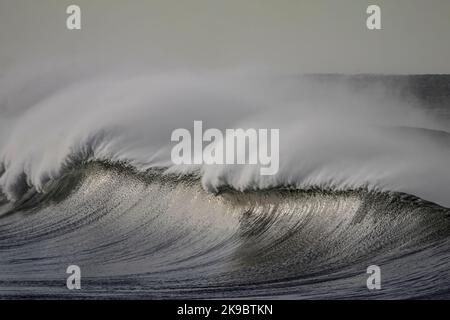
(159, 236)
(86, 179)
(330, 135)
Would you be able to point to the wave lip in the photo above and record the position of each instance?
(331, 135)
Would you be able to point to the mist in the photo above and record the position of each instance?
(331, 136)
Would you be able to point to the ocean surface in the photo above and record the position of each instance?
(86, 179)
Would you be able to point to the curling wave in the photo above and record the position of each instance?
(86, 179)
(331, 136)
(163, 236)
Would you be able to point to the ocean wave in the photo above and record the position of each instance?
(331, 135)
(163, 236)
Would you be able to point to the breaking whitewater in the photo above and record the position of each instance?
(86, 179)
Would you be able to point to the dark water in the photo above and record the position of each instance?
(158, 237)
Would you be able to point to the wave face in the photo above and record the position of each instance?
(156, 236)
(86, 179)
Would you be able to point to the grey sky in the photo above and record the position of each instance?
(295, 36)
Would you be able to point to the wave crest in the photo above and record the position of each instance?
(331, 136)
